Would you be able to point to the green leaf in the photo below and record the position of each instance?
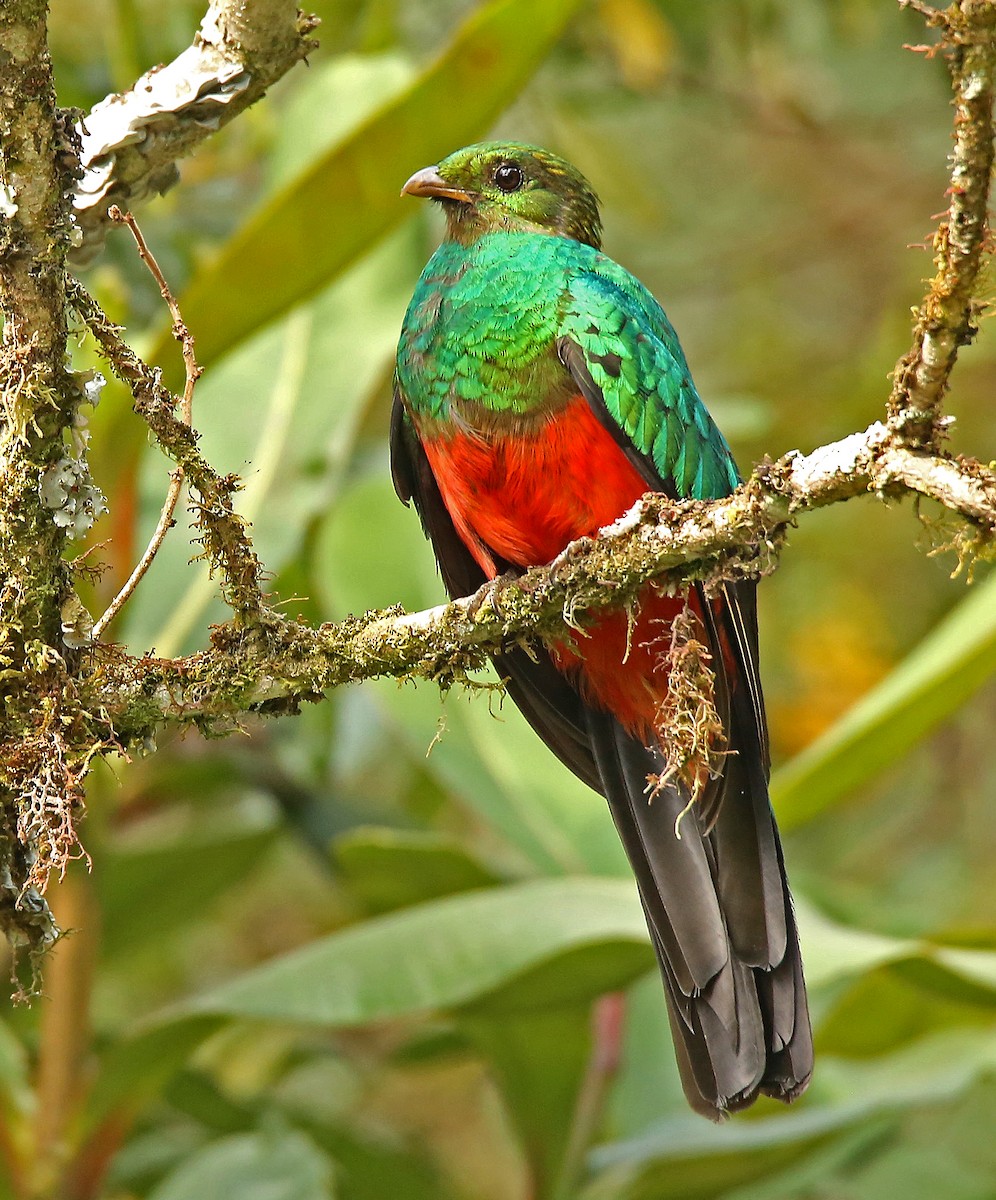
(440, 955)
(274, 1165)
(899, 1003)
(329, 101)
(539, 1059)
(578, 974)
(587, 935)
(348, 197)
(369, 1168)
(133, 1069)
(399, 569)
(392, 868)
(850, 1115)
(647, 1086)
(571, 820)
(941, 1150)
(685, 1159)
(833, 952)
(931, 683)
(437, 732)
(940, 1147)
(147, 894)
(941, 1065)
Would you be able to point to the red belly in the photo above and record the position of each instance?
(524, 498)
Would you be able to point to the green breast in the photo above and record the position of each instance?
(479, 336)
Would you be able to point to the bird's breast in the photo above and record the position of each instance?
(525, 496)
(529, 489)
(479, 337)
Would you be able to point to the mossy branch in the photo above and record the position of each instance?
(42, 755)
(658, 539)
(68, 701)
(949, 314)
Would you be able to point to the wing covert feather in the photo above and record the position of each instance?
(624, 355)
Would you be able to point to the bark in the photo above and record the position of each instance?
(131, 142)
(39, 787)
(67, 699)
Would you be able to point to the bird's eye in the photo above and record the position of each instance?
(508, 177)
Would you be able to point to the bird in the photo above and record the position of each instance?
(540, 391)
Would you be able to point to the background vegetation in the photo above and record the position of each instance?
(316, 960)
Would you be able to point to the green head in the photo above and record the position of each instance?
(509, 186)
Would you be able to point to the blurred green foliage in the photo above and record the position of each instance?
(358, 954)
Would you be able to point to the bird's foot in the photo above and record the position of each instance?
(571, 550)
(486, 595)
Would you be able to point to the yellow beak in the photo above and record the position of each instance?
(428, 182)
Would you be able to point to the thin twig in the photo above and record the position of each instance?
(226, 543)
(180, 330)
(192, 373)
(933, 16)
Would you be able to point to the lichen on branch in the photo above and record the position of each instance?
(68, 700)
(132, 141)
(45, 492)
(949, 314)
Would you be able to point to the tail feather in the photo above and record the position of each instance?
(668, 871)
(734, 989)
(749, 875)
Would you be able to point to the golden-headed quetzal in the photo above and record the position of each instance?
(540, 391)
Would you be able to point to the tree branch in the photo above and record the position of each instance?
(131, 142)
(948, 316)
(226, 543)
(658, 539)
(46, 492)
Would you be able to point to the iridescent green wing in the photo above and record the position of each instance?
(624, 356)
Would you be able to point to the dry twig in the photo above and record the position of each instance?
(192, 373)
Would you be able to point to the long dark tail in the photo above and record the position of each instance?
(721, 920)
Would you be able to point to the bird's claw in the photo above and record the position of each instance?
(572, 550)
(486, 595)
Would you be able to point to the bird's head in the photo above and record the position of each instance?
(509, 186)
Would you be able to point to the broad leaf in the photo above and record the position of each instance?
(539, 1059)
(931, 683)
(147, 894)
(254, 1166)
(391, 868)
(685, 1159)
(443, 954)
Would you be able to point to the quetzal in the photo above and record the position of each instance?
(540, 391)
